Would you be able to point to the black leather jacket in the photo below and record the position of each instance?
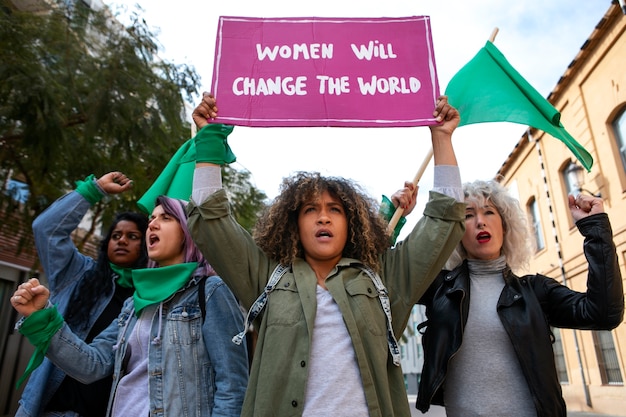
(527, 307)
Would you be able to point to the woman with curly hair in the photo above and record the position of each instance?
(367, 230)
(488, 339)
(321, 261)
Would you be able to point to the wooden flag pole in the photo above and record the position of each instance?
(399, 211)
(492, 38)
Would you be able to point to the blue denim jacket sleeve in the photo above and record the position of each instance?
(224, 319)
(84, 362)
(60, 259)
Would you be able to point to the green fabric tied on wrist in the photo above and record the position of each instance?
(39, 328)
(176, 179)
(387, 210)
(212, 146)
(89, 190)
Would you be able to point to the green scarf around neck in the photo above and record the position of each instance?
(125, 275)
(153, 285)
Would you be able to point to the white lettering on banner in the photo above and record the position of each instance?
(295, 51)
(334, 85)
(390, 85)
(374, 49)
(246, 86)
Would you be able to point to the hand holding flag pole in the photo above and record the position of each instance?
(429, 154)
(489, 89)
(398, 213)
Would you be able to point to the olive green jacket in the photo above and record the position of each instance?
(279, 370)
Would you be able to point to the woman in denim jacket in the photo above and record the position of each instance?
(169, 354)
(89, 293)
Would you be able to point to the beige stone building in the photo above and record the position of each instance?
(591, 96)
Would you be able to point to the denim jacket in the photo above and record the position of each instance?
(194, 367)
(65, 268)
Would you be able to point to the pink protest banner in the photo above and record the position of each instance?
(377, 72)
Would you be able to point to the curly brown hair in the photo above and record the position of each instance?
(276, 231)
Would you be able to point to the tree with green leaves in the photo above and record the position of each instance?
(246, 200)
(81, 93)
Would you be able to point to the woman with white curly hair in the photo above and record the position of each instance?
(487, 339)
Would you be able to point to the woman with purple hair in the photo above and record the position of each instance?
(170, 351)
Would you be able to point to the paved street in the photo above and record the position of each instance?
(436, 411)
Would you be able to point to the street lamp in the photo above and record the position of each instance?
(575, 176)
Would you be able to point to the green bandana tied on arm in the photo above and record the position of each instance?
(387, 210)
(212, 146)
(176, 179)
(153, 285)
(39, 328)
(89, 190)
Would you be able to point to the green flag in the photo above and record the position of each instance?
(176, 179)
(489, 89)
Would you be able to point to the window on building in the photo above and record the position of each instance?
(570, 180)
(619, 129)
(607, 358)
(533, 211)
(559, 357)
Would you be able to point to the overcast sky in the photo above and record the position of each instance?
(538, 37)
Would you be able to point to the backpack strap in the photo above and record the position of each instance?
(278, 273)
(259, 303)
(383, 296)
